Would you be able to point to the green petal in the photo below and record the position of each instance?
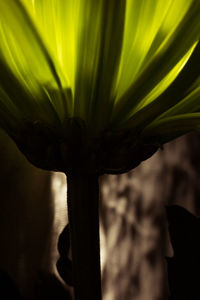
(183, 85)
(99, 44)
(171, 51)
(148, 24)
(26, 55)
(191, 103)
(163, 131)
(18, 102)
(9, 115)
(56, 20)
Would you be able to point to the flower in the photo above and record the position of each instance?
(98, 84)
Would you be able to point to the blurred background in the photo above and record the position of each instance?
(133, 228)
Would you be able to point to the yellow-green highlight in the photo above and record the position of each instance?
(101, 61)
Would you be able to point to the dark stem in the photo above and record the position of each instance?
(83, 211)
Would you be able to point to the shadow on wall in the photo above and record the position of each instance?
(134, 239)
(134, 219)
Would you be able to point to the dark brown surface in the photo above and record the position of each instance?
(132, 214)
(134, 219)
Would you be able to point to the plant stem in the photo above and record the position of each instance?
(83, 210)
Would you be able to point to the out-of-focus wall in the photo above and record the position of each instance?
(26, 217)
(133, 223)
(134, 220)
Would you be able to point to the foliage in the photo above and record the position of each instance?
(115, 66)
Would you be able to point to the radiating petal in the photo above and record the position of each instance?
(171, 51)
(148, 24)
(9, 120)
(18, 103)
(57, 22)
(143, 24)
(163, 131)
(190, 103)
(183, 85)
(99, 44)
(27, 57)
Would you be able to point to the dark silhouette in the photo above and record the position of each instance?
(184, 266)
(64, 264)
(50, 287)
(8, 288)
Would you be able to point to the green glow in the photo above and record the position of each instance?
(166, 81)
(102, 61)
(148, 26)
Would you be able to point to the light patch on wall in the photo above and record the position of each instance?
(59, 192)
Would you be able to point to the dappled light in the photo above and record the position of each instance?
(133, 220)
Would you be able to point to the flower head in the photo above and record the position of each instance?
(102, 82)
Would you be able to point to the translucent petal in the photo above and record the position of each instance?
(191, 104)
(19, 102)
(23, 50)
(163, 131)
(99, 44)
(57, 22)
(148, 24)
(183, 36)
(103, 61)
(166, 81)
(184, 84)
(10, 120)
